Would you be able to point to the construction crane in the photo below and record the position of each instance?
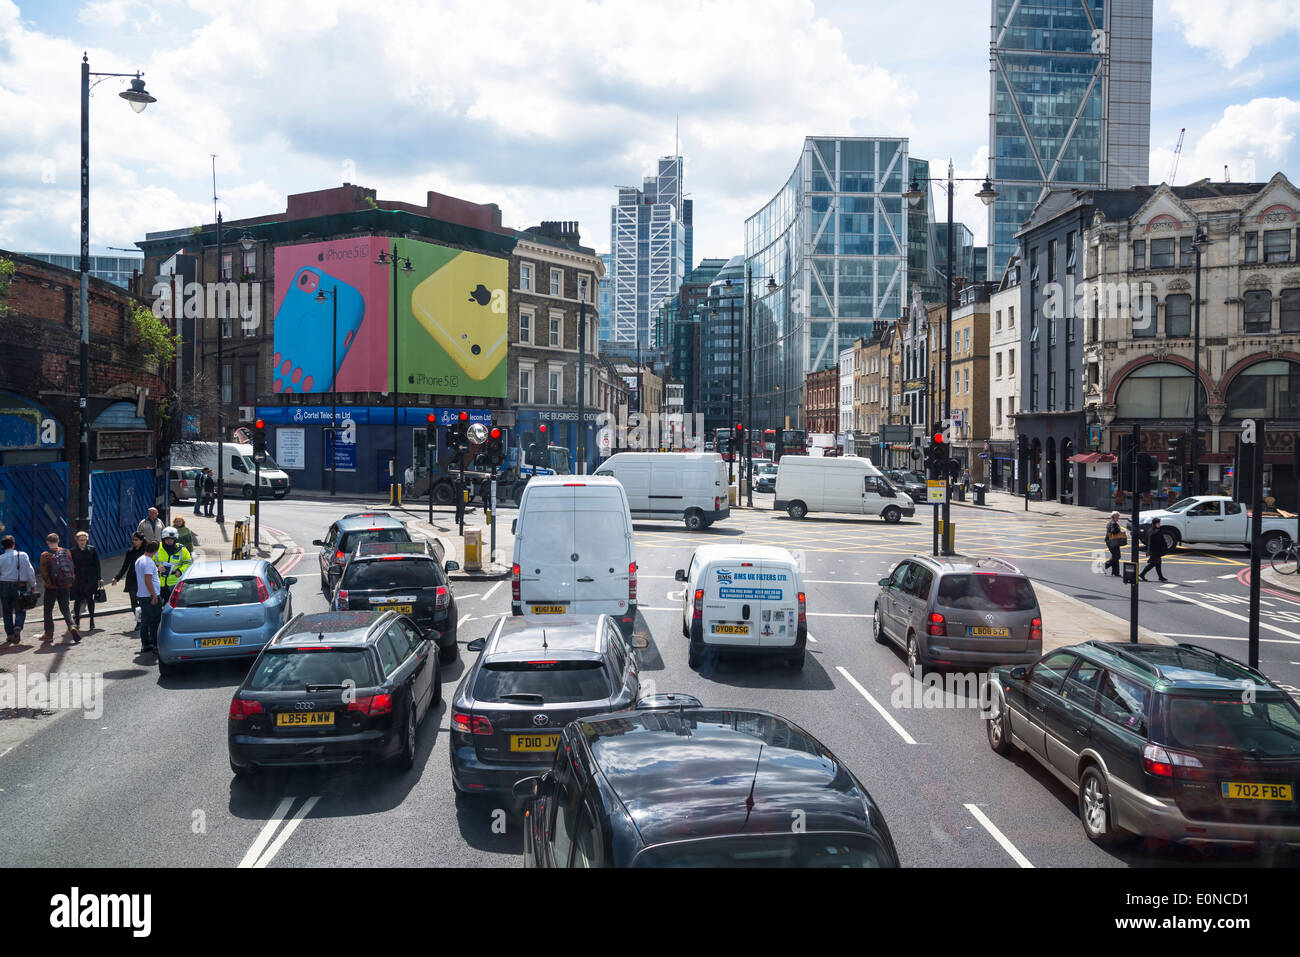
(1178, 151)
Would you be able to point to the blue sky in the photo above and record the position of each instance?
(544, 108)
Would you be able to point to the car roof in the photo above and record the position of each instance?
(1181, 667)
(968, 565)
(375, 521)
(741, 553)
(686, 773)
(560, 481)
(523, 637)
(233, 568)
(337, 627)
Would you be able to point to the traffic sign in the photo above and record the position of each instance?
(935, 490)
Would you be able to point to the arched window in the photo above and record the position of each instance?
(1158, 390)
(1268, 390)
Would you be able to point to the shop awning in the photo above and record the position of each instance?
(1214, 458)
(1092, 457)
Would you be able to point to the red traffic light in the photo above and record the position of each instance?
(431, 418)
(495, 434)
(938, 438)
(739, 427)
(542, 429)
(464, 416)
(259, 425)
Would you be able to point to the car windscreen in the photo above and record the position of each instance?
(769, 850)
(1269, 726)
(392, 573)
(213, 592)
(986, 592)
(554, 681)
(1182, 505)
(348, 544)
(294, 669)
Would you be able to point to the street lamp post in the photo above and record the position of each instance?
(246, 243)
(386, 258)
(1199, 242)
(139, 98)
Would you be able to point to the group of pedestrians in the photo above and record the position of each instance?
(1117, 538)
(206, 495)
(72, 579)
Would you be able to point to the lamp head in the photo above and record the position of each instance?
(138, 96)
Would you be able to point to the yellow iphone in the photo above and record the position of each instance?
(457, 306)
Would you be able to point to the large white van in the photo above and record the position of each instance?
(845, 483)
(574, 552)
(686, 486)
(744, 599)
(238, 470)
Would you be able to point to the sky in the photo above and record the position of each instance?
(544, 108)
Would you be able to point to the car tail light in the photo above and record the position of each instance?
(341, 600)
(1172, 764)
(803, 609)
(937, 626)
(176, 594)
(697, 613)
(338, 557)
(471, 723)
(717, 502)
(514, 582)
(1036, 630)
(631, 582)
(442, 598)
(262, 593)
(241, 709)
(373, 704)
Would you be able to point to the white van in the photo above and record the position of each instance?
(238, 475)
(690, 486)
(842, 483)
(744, 599)
(574, 552)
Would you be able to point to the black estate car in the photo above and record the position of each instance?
(346, 534)
(335, 688)
(679, 785)
(404, 577)
(1179, 743)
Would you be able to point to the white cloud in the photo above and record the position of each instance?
(1231, 29)
(1254, 139)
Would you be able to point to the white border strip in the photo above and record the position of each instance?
(902, 733)
(999, 836)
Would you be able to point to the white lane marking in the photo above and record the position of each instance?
(264, 835)
(1233, 575)
(836, 614)
(288, 829)
(811, 638)
(463, 619)
(489, 592)
(999, 836)
(1231, 614)
(1198, 581)
(902, 733)
(1270, 641)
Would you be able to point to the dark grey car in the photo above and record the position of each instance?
(945, 612)
(536, 673)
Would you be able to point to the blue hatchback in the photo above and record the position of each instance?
(222, 609)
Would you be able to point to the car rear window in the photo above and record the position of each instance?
(213, 592)
(294, 669)
(986, 592)
(768, 850)
(555, 681)
(351, 540)
(392, 573)
(1267, 726)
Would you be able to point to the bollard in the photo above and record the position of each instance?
(473, 547)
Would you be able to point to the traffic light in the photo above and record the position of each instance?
(259, 440)
(457, 440)
(939, 455)
(1146, 467)
(1126, 456)
(1178, 451)
(496, 453)
(954, 469)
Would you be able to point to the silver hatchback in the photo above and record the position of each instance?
(945, 612)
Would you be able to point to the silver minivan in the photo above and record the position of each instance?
(945, 612)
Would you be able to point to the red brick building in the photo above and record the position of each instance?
(822, 391)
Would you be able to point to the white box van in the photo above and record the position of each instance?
(574, 552)
(744, 599)
(238, 476)
(844, 483)
(686, 486)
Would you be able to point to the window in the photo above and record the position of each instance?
(1069, 389)
(1268, 389)
(227, 380)
(1051, 261)
(1011, 362)
(1082, 684)
(997, 320)
(1051, 671)
(1143, 316)
(1033, 265)
(557, 282)
(389, 655)
(1123, 702)
(1071, 251)
(1257, 311)
(227, 264)
(250, 263)
(555, 386)
(997, 419)
(1277, 245)
(1140, 254)
(526, 326)
(526, 277)
(525, 384)
(557, 331)
(1290, 312)
(248, 384)
(1033, 391)
(1178, 317)
(1011, 317)
(1158, 390)
(998, 365)
(1252, 247)
(1051, 390)
(1186, 251)
(1162, 253)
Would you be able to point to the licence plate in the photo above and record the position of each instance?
(304, 719)
(404, 609)
(219, 642)
(983, 631)
(1245, 791)
(731, 629)
(534, 742)
(547, 609)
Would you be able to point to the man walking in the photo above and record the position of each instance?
(209, 492)
(1155, 552)
(16, 578)
(149, 591)
(152, 527)
(59, 575)
(198, 491)
(173, 560)
(1115, 540)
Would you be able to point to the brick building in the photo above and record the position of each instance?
(822, 389)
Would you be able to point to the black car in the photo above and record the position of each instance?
(335, 688)
(403, 577)
(911, 483)
(1175, 742)
(679, 785)
(535, 674)
(346, 534)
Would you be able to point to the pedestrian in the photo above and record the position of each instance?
(59, 576)
(127, 571)
(209, 492)
(1155, 552)
(17, 578)
(184, 534)
(149, 592)
(1115, 540)
(410, 479)
(89, 580)
(173, 561)
(152, 527)
(198, 492)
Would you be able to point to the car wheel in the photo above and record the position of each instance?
(406, 758)
(248, 491)
(797, 509)
(437, 689)
(796, 661)
(891, 515)
(1095, 809)
(915, 666)
(1171, 542)
(877, 631)
(694, 520)
(996, 726)
(1274, 542)
(167, 669)
(443, 494)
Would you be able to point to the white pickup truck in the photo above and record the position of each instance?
(1213, 520)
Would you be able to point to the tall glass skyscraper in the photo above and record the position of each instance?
(1069, 104)
(649, 238)
(606, 301)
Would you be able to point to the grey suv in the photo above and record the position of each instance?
(959, 612)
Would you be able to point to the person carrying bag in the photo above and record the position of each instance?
(17, 588)
(1115, 540)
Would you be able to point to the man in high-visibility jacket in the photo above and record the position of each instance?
(173, 559)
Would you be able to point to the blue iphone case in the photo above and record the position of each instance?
(302, 361)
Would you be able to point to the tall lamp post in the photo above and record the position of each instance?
(393, 259)
(139, 98)
(749, 348)
(246, 242)
(1199, 242)
(333, 295)
(914, 195)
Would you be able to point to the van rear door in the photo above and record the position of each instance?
(546, 568)
(601, 555)
(725, 603)
(778, 605)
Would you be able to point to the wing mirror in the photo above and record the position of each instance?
(680, 575)
(291, 580)
(317, 541)
(883, 583)
(1019, 673)
(451, 566)
(478, 644)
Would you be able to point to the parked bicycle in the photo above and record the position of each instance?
(1286, 561)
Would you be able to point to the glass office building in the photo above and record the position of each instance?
(650, 239)
(1069, 104)
(115, 269)
(606, 301)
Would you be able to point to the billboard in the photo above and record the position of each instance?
(451, 319)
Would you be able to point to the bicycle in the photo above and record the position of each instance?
(1286, 561)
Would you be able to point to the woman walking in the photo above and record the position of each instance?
(1115, 540)
(127, 572)
(17, 577)
(89, 580)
